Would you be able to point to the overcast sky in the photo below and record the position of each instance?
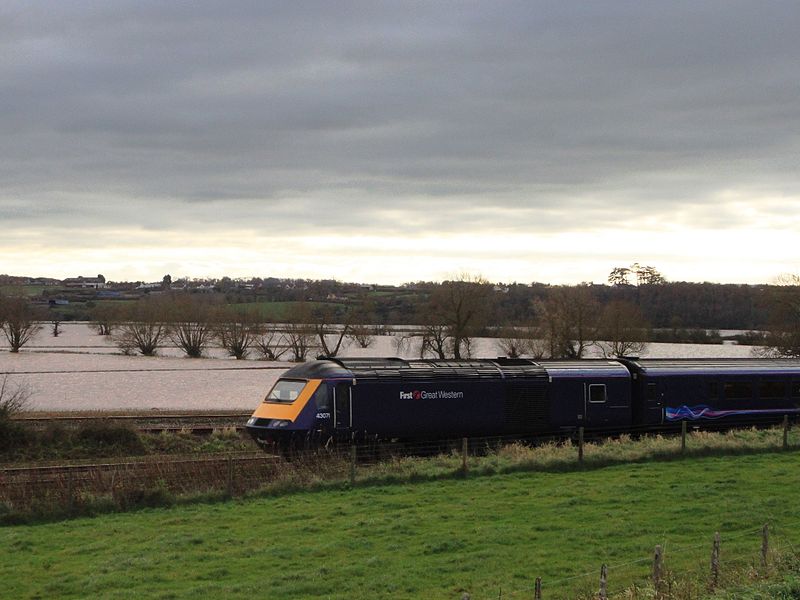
(400, 141)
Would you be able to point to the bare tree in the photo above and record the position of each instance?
(456, 309)
(13, 398)
(362, 335)
(568, 317)
(105, 317)
(300, 333)
(330, 335)
(191, 324)
(783, 339)
(434, 341)
(360, 332)
(622, 330)
(270, 343)
(144, 327)
(401, 341)
(237, 331)
(18, 321)
(515, 342)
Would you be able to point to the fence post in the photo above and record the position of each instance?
(353, 451)
(464, 455)
(580, 444)
(603, 582)
(229, 482)
(715, 561)
(785, 432)
(70, 492)
(764, 544)
(683, 437)
(537, 589)
(657, 568)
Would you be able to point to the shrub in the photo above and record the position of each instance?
(109, 436)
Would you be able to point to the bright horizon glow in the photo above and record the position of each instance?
(734, 256)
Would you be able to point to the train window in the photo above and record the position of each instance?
(796, 389)
(651, 391)
(713, 390)
(597, 392)
(738, 389)
(322, 398)
(772, 389)
(285, 391)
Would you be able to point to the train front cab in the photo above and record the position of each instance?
(291, 414)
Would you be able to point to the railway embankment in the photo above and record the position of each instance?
(53, 438)
(46, 490)
(448, 535)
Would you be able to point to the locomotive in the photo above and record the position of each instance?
(356, 399)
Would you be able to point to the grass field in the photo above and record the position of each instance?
(278, 311)
(26, 290)
(425, 540)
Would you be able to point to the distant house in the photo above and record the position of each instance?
(95, 283)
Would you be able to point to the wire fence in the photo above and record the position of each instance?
(728, 561)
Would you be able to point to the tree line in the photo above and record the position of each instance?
(536, 321)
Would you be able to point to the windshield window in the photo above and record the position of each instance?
(286, 391)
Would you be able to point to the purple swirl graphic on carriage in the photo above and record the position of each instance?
(703, 411)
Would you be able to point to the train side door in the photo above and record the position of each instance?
(595, 399)
(653, 404)
(342, 407)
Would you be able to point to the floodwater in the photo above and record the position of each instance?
(82, 371)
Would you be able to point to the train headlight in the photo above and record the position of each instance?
(279, 423)
(251, 421)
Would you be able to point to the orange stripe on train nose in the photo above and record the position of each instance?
(274, 410)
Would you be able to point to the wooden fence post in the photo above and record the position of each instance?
(464, 455)
(715, 561)
(683, 437)
(70, 492)
(229, 481)
(785, 432)
(657, 568)
(537, 589)
(764, 545)
(603, 582)
(353, 455)
(580, 444)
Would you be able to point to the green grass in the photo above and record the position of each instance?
(278, 311)
(26, 290)
(425, 540)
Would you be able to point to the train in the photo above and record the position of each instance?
(335, 400)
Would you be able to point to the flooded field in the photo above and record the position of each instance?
(80, 370)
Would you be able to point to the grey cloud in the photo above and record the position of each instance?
(292, 111)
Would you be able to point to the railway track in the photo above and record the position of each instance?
(129, 467)
(197, 423)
